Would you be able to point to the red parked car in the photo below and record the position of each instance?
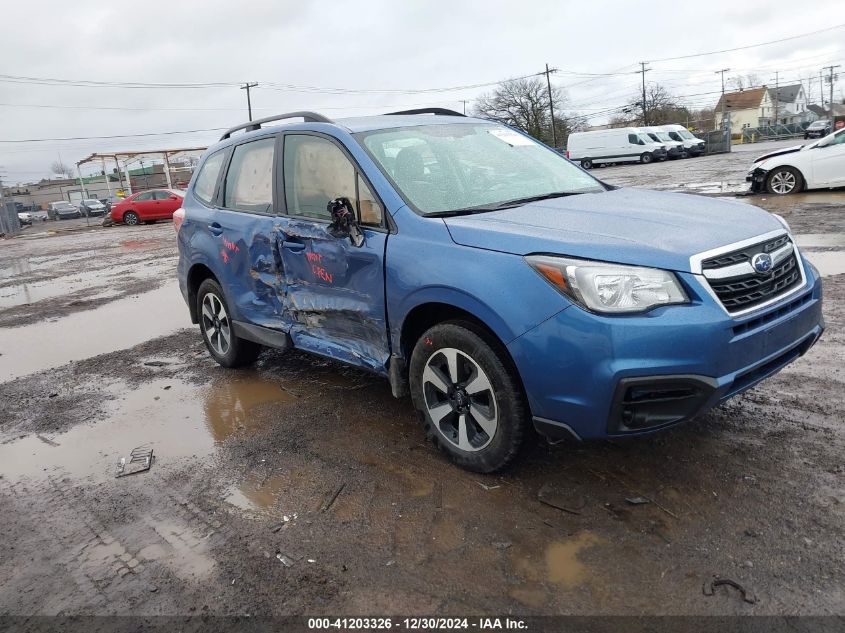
(147, 206)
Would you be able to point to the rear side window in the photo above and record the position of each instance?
(147, 195)
(249, 181)
(162, 195)
(207, 178)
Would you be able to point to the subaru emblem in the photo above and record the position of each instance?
(762, 263)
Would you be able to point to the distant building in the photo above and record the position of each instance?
(747, 109)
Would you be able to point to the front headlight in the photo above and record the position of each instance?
(609, 288)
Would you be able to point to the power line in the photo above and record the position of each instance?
(89, 138)
(742, 48)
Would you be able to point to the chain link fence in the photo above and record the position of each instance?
(9, 223)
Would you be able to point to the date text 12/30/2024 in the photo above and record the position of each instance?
(417, 624)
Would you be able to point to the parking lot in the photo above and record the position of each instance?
(303, 487)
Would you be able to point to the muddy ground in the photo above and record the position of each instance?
(302, 487)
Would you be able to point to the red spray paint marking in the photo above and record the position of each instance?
(314, 258)
(225, 255)
(321, 273)
(231, 246)
(428, 341)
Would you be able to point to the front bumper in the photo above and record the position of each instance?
(596, 376)
(757, 178)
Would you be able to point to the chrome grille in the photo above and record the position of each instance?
(739, 287)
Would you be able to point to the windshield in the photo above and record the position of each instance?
(645, 138)
(685, 134)
(91, 203)
(452, 167)
(663, 136)
(63, 205)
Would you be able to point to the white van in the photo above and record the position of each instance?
(618, 145)
(674, 149)
(693, 144)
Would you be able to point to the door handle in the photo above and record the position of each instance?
(293, 246)
(215, 228)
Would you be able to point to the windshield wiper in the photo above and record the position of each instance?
(507, 204)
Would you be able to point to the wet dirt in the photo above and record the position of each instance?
(753, 491)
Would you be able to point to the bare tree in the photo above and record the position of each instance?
(741, 82)
(524, 104)
(61, 169)
(661, 106)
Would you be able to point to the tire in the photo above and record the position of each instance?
(782, 181)
(646, 158)
(131, 218)
(214, 320)
(685, 154)
(481, 430)
(587, 163)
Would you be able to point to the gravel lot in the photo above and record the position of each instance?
(302, 487)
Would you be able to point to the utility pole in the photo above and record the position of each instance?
(464, 101)
(246, 87)
(722, 72)
(777, 100)
(821, 89)
(830, 78)
(551, 104)
(645, 107)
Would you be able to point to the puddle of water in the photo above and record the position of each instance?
(820, 240)
(117, 325)
(229, 405)
(174, 426)
(176, 419)
(828, 262)
(562, 565)
(256, 493)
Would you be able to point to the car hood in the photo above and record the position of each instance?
(780, 152)
(631, 226)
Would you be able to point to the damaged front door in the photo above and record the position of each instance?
(334, 290)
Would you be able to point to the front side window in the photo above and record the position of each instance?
(316, 172)
(632, 138)
(466, 166)
(249, 181)
(207, 178)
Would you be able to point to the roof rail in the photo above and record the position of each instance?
(443, 111)
(256, 125)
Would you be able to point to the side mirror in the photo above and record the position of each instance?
(344, 223)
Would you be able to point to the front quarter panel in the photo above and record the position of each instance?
(424, 265)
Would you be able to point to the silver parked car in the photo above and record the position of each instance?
(62, 210)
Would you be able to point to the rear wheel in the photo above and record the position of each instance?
(646, 158)
(469, 396)
(217, 330)
(784, 180)
(131, 218)
(587, 163)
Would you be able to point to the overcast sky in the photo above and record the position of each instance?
(366, 45)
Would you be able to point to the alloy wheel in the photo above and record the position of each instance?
(783, 182)
(215, 324)
(460, 399)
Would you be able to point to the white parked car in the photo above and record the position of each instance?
(818, 165)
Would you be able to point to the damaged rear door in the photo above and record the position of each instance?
(243, 226)
(334, 295)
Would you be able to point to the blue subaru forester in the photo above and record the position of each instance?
(481, 271)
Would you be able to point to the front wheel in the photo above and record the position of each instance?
(131, 218)
(646, 158)
(469, 396)
(587, 163)
(217, 329)
(784, 180)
